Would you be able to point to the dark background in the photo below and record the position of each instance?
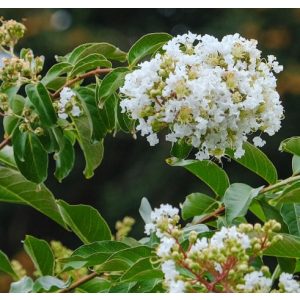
(131, 169)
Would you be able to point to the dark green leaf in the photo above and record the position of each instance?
(147, 45)
(181, 150)
(237, 199)
(6, 267)
(14, 188)
(287, 264)
(7, 157)
(95, 285)
(55, 71)
(291, 216)
(210, 173)
(85, 221)
(89, 62)
(41, 254)
(256, 161)
(110, 84)
(198, 204)
(30, 156)
(39, 97)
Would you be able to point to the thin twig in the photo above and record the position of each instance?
(5, 142)
(78, 282)
(95, 72)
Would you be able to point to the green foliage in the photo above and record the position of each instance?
(6, 267)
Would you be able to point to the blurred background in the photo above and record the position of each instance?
(131, 169)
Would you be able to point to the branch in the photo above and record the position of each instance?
(78, 282)
(5, 142)
(95, 72)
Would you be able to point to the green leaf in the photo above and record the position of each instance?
(14, 188)
(110, 84)
(108, 112)
(65, 157)
(89, 62)
(256, 161)
(114, 265)
(291, 145)
(131, 255)
(296, 164)
(109, 51)
(7, 157)
(147, 45)
(25, 285)
(145, 210)
(30, 156)
(237, 199)
(95, 285)
(291, 216)
(93, 152)
(85, 221)
(206, 170)
(290, 195)
(181, 150)
(55, 71)
(41, 255)
(39, 97)
(48, 284)
(198, 204)
(289, 246)
(6, 267)
(287, 264)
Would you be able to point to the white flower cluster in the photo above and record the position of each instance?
(288, 284)
(67, 104)
(210, 94)
(256, 282)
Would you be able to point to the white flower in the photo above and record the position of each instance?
(169, 270)
(289, 284)
(67, 97)
(258, 142)
(207, 92)
(256, 282)
(199, 245)
(218, 268)
(176, 286)
(165, 246)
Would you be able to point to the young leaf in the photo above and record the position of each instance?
(206, 170)
(30, 156)
(93, 152)
(85, 221)
(55, 71)
(110, 84)
(39, 97)
(146, 45)
(291, 216)
(25, 285)
(256, 161)
(41, 255)
(145, 210)
(237, 199)
(296, 164)
(14, 188)
(198, 204)
(89, 62)
(291, 145)
(6, 267)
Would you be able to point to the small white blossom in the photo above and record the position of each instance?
(67, 97)
(256, 282)
(207, 92)
(289, 284)
(258, 142)
(165, 246)
(176, 286)
(199, 245)
(169, 270)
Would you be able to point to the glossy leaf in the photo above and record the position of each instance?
(95, 285)
(291, 145)
(111, 83)
(237, 199)
(209, 172)
(30, 156)
(147, 45)
(56, 71)
(89, 62)
(198, 204)
(7, 157)
(296, 164)
(181, 150)
(39, 97)
(6, 267)
(14, 188)
(85, 221)
(256, 161)
(291, 216)
(41, 254)
(25, 285)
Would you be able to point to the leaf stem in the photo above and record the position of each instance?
(78, 282)
(5, 142)
(95, 72)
